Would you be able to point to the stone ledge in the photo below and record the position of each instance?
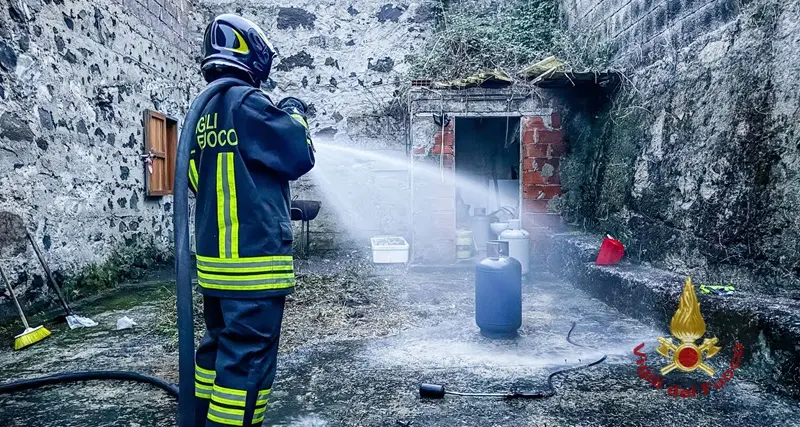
(769, 326)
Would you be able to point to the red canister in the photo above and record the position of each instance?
(611, 252)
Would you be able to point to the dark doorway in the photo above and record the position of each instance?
(487, 154)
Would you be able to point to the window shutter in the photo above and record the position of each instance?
(161, 140)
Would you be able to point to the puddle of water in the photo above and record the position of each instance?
(442, 353)
(305, 421)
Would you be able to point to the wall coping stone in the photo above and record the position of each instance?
(767, 326)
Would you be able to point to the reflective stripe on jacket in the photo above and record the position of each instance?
(244, 153)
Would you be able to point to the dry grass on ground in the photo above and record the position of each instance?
(352, 303)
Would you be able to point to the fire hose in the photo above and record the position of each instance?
(71, 377)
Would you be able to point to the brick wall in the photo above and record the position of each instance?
(434, 212)
(542, 149)
(433, 198)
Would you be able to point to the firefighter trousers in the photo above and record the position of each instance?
(236, 360)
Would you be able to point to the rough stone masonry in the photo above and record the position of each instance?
(75, 79)
(696, 167)
(350, 60)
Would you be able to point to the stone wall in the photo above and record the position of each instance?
(75, 78)
(643, 29)
(695, 164)
(349, 61)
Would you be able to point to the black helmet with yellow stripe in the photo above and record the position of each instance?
(233, 42)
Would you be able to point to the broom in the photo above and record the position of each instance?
(30, 335)
(73, 320)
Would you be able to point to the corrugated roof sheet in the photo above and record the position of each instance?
(551, 72)
(489, 80)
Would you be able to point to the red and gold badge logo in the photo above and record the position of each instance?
(688, 327)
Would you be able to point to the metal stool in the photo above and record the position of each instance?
(305, 211)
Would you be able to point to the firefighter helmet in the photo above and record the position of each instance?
(233, 42)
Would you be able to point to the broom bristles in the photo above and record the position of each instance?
(30, 336)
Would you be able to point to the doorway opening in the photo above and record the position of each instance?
(487, 167)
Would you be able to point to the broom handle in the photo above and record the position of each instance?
(52, 282)
(14, 297)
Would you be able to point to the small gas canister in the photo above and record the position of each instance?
(611, 252)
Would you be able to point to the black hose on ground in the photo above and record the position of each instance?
(70, 377)
(551, 390)
(437, 391)
(569, 336)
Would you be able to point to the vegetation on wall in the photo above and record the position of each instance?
(472, 36)
(687, 165)
(475, 35)
(597, 174)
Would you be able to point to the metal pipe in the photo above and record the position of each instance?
(498, 97)
(49, 275)
(14, 298)
(454, 393)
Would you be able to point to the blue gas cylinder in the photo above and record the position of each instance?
(498, 293)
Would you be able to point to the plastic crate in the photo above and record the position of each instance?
(389, 250)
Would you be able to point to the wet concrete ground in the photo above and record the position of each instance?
(373, 382)
(98, 348)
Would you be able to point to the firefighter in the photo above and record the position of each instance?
(245, 152)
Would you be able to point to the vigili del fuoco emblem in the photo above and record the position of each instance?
(688, 326)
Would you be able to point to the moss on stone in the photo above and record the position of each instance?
(693, 168)
(129, 296)
(584, 170)
(126, 263)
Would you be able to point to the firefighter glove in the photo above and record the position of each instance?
(293, 105)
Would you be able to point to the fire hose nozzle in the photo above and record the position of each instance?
(431, 391)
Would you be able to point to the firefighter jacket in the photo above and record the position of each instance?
(244, 153)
